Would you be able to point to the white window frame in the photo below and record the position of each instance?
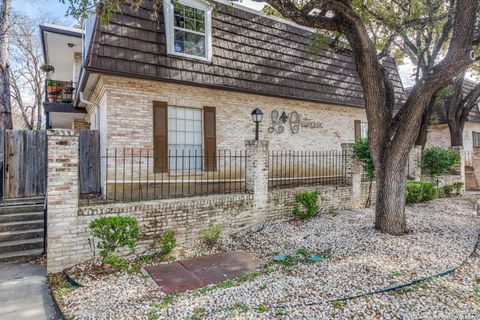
(168, 10)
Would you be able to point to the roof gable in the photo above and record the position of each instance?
(251, 53)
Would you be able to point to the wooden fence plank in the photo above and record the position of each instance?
(25, 161)
(89, 162)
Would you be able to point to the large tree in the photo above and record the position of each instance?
(391, 135)
(5, 27)
(26, 78)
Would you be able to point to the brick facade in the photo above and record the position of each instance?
(439, 135)
(126, 115)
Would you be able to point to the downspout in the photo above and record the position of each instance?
(97, 110)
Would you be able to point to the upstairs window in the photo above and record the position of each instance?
(188, 28)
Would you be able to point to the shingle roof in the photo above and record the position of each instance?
(251, 52)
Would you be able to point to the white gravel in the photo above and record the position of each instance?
(116, 296)
(442, 233)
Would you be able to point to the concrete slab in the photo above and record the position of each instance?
(24, 293)
(173, 277)
(201, 271)
(220, 267)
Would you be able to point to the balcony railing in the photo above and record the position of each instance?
(59, 91)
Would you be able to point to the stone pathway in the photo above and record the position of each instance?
(183, 275)
(24, 293)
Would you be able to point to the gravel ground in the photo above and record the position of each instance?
(442, 233)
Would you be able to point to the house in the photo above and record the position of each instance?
(439, 133)
(190, 80)
(62, 49)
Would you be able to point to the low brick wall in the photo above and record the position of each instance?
(189, 216)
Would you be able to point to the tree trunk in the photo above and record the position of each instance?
(422, 136)
(390, 205)
(456, 133)
(5, 107)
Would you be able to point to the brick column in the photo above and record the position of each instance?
(62, 199)
(415, 163)
(460, 168)
(354, 173)
(257, 170)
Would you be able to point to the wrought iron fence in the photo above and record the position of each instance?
(129, 175)
(289, 169)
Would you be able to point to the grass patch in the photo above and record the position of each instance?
(338, 304)
(262, 308)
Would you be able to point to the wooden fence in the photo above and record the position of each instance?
(23, 158)
(89, 162)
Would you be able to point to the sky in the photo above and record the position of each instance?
(39, 8)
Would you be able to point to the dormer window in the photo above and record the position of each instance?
(188, 28)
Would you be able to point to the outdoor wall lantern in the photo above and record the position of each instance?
(257, 115)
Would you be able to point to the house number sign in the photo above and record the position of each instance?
(292, 120)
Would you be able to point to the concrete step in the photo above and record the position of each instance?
(21, 245)
(21, 225)
(20, 255)
(8, 209)
(21, 234)
(27, 216)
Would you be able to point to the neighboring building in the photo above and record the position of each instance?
(439, 133)
(191, 80)
(62, 49)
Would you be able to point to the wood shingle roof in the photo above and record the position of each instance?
(251, 53)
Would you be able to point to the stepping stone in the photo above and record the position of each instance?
(173, 277)
(198, 272)
(216, 268)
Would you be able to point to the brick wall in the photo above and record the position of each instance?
(69, 239)
(128, 115)
(439, 135)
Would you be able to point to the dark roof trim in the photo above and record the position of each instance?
(62, 107)
(44, 28)
(198, 84)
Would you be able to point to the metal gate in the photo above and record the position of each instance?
(25, 163)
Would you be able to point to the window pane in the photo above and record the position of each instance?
(189, 138)
(189, 43)
(188, 114)
(200, 15)
(185, 136)
(200, 26)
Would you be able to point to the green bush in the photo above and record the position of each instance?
(458, 187)
(115, 261)
(211, 234)
(361, 152)
(419, 191)
(438, 161)
(448, 190)
(166, 242)
(115, 232)
(309, 202)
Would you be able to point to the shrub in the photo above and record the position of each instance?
(361, 152)
(115, 261)
(115, 232)
(458, 187)
(309, 201)
(167, 242)
(448, 190)
(418, 191)
(211, 234)
(438, 161)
